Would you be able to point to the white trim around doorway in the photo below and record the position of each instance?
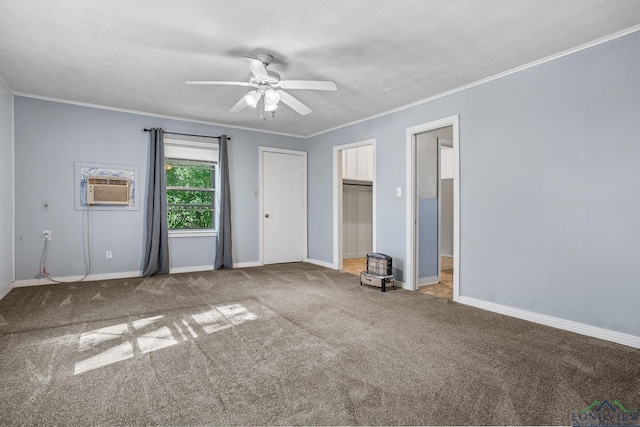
(337, 198)
(411, 280)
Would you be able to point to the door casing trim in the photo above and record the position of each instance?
(411, 281)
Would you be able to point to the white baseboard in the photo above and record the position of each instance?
(210, 267)
(191, 269)
(321, 263)
(6, 291)
(446, 255)
(120, 275)
(246, 264)
(428, 280)
(567, 325)
(91, 277)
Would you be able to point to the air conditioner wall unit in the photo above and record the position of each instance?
(107, 190)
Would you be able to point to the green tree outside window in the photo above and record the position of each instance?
(190, 194)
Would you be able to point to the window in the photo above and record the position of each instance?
(191, 168)
(190, 194)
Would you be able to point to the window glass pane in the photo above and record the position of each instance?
(188, 174)
(191, 217)
(190, 194)
(190, 197)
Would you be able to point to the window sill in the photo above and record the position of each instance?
(192, 233)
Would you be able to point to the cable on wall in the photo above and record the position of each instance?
(88, 261)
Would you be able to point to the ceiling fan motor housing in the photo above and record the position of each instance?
(265, 58)
(273, 79)
(268, 87)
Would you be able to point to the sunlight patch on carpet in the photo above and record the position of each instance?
(154, 333)
(223, 317)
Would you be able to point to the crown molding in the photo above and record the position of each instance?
(553, 57)
(144, 113)
(550, 58)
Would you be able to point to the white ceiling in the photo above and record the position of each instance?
(137, 54)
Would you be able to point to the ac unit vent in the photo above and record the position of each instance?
(107, 190)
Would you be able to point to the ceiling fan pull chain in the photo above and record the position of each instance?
(262, 109)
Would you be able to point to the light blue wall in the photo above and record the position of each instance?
(6, 189)
(550, 171)
(51, 136)
(427, 238)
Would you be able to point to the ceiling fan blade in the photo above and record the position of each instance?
(308, 84)
(292, 102)
(214, 82)
(257, 68)
(240, 105)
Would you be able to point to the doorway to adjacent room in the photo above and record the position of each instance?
(433, 208)
(354, 205)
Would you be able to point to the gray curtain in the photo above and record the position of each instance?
(156, 257)
(223, 248)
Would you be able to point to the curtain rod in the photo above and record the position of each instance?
(188, 134)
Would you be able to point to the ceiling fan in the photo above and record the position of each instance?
(268, 88)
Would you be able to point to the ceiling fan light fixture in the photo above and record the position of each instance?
(268, 83)
(252, 98)
(271, 97)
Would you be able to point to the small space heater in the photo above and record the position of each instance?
(379, 272)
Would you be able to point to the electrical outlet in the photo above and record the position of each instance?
(46, 235)
(109, 255)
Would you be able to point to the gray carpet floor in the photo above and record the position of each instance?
(291, 344)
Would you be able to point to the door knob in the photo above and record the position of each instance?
(266, 215)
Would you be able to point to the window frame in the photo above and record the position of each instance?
(196, 144)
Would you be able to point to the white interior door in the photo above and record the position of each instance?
(283, 207)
